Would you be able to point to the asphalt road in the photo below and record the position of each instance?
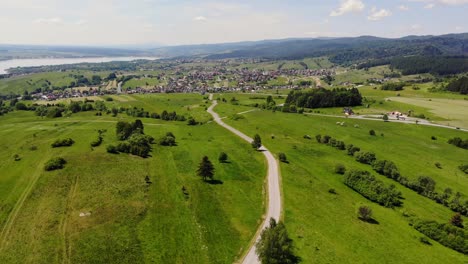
(274, 193)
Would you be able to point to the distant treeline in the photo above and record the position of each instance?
(458, 86)
(439, 65)
(325, 98)
(435, 65)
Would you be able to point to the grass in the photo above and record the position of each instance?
(129, 221)
(325, 226)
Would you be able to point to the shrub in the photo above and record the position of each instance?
(332, 191)
(63, 143)
(464, 168)
(340, 169)
(352, 149)
(55, 164)
(372, 132)
(373, 189)
(366, 157)
(457, 220)
(282, 157)
(364, 213)
(112, 149)
(318, 138)
(385, 117)
(446, 234)
(438, 165)
(97, 142)
(223, 157)
(192, 121)
(257, 142)
(433, 138)
(168, 140)
(386, 168)
(459, 142)
(424, 240)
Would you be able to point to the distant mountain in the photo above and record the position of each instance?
(340, 50)
(39, 51)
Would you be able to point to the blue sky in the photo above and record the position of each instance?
(173, 22)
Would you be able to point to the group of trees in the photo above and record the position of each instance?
(371, 188)
(275, 246)
(423, 185)
(438, 65)
(321, 97)
(135, 141)
(459, 85)
(456, 141)
(63, 143)
(392, 86)
(55, 164)
(450, 235)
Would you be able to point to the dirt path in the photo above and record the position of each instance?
(66, 246)
(273, 183)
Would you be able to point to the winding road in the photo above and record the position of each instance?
(274, 192)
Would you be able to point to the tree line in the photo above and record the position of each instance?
(423, 185)
(320, 98)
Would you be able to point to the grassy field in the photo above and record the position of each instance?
(123, 219)
(324, 226)
(31, 82)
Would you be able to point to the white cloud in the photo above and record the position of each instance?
(378, 14)
(429, 6)
(348, 6)
(443, 2)
(416, 27)
(53, 20)
(200, 18)
(403, 8)
(80, 22)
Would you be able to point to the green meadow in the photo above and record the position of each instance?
(325, 226)
(100, 209)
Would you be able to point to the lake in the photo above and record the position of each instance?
(4, 65)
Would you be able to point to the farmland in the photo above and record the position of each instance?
(102, 199)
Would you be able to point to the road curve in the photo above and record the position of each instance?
(274, 193)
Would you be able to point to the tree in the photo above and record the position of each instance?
(340, 169)
(223, 157)
(275, 246)
(257, 142)
(385, 118)
(282, 157)
(365, 213)
(205, 169)
(372, 132)
(457, 220)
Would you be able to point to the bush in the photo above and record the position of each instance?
(223, 157)
(373, 189)
(446, 234)
(424, 240)
(332, 191)
(63, 143)
(168, 140)
(97, 142)
(386, 168)
(456, 141)
(282, 157)
(372, 132)
(364, 213)
(351, 149)
(55, 164)
(438, 165)
(192, 121)
(464, 168)
(366, 157)
(340, 169)
(112, 149)
(433, 138)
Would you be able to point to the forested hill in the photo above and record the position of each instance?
(351, 50)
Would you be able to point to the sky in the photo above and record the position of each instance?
(178, 22)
